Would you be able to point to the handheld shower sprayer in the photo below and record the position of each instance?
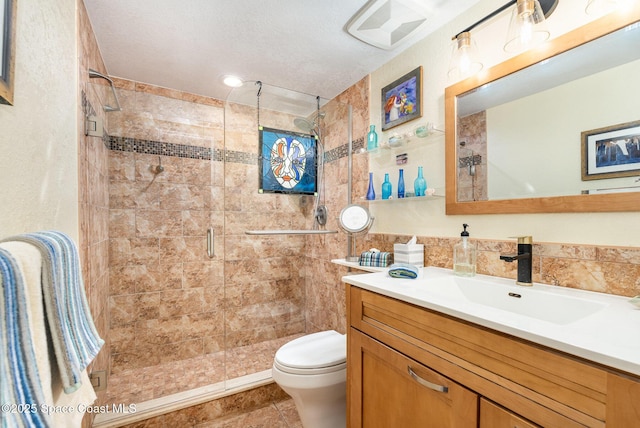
(157, 169)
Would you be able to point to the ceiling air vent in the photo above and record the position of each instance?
(388, 23)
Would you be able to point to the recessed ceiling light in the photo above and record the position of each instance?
(233, 81)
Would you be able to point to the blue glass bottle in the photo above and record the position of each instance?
(401, 184)
(371, 193)
(386, 187)
(372, 138)
(420, 184)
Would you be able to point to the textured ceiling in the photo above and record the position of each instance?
(190, 44)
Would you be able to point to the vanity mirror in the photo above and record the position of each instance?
(519, 137)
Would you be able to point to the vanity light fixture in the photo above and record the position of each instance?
(526, 28)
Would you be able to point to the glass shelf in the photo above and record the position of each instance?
(410, 198)
(438, 195)
(405, 141)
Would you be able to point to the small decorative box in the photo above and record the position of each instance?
(376, 258)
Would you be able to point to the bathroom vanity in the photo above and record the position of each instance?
(425, 353)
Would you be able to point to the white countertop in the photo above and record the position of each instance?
(610, 336)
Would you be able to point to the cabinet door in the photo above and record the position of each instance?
(494, 416)
(388, 390)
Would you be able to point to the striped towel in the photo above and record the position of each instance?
(19, 380)
(376, 258)
(74, 336)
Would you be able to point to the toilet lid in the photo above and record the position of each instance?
(317, 350)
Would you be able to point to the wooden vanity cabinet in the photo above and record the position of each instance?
(493, 380)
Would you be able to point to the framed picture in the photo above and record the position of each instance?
(611, 152)
(288, 162)
(7, 49)
(402, 100)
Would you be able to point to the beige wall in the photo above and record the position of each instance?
(428, 218)
(38, 166)
(588, 103)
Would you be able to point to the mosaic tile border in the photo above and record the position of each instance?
(241, 157)
(343, 150)
(151, 147)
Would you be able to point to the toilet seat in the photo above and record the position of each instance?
(313, 354)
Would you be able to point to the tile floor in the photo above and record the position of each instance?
(136, 386)
(281, 414)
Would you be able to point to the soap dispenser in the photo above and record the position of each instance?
(464, 255)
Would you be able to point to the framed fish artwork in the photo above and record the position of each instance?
(402, 100)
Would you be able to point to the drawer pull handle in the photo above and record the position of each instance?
(435, 387)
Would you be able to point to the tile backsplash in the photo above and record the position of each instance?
(613, 270)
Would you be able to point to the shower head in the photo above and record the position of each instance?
(303, 124)
(309, 125)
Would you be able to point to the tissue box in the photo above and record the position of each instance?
(376, 258)
(409, 253)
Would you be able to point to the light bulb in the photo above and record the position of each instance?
(527, 27)
(464, 59)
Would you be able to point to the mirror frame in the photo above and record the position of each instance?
(607, 202)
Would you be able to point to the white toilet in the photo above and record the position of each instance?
(312, 369)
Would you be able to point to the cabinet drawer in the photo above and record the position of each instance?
(563, 391)
(494, 416)
(389, 390)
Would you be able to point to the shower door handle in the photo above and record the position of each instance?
(210, 252)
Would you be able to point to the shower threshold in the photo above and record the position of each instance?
(182, 400)
(157, 390)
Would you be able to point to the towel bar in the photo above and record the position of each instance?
(289, 232)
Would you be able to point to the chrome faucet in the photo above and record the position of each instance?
(524, 259)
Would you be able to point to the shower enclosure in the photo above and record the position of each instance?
(194, 300)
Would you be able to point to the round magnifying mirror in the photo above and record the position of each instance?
(355, 219)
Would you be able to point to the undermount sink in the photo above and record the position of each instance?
(539, 302)
(597, 326)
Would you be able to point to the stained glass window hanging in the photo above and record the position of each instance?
(288, 162)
